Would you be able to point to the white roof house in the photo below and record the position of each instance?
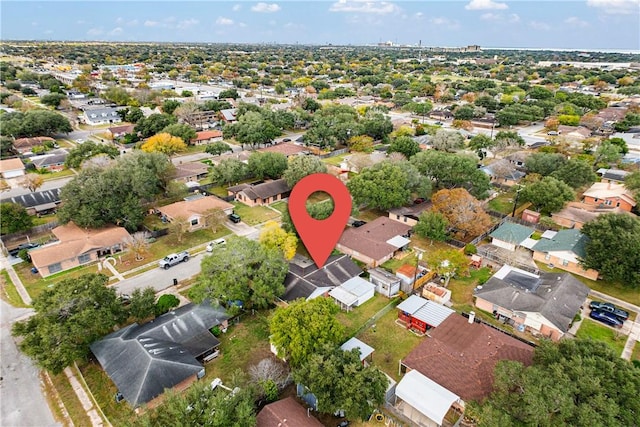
(365, 350)
(353, 292)
(425, 396)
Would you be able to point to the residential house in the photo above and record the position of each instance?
(420, 314)
(409, 214)
(120, 131)
(615, 176)
(166, 353)
(52, 161)
(576, 215)
(366, 351)
(454, 364)
(286, 412)
(101, 116)
(386, 283)
(441, 115)
(305, 280)
(11, 168)
(609, 194)
(190, 172)
(229, 115)
(26, 145)
(544, 303)
(39, 202)
(487, 122)
(502, 172)
(287, 149)
(194, 210)
(518, 158)
(207, 137)
(260, 194)
(375, 242)
(574, 132)
(511, 235)
(77, 246)
(353, 293)
(563, 249)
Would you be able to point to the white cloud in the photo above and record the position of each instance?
(265, 7)
(224, 21)
(116, 31)
(418, 15)
(151, 23)
(621, 7)
(514, 18)
(187, 23)
(540, 26)
(445, 22)
(236, 7)
(491, 16)
(242, 25)
(95, 31)
(364, 6)
(119, 20)
(574, 21)
(485, 4)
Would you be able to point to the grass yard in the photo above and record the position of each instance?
(335, 160)
(254, 215)
(280, 206)
(35, 284)
(242, 346)
(636, 352)
(56, 175)
(104, 390)
(370, 214)
(598, 332)
(356, 318)
(462, 287)
(9, 292)
(391, 342)
(503, 202)
(66, 394)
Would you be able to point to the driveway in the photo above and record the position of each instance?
(22, 401)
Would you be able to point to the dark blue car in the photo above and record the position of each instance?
(607, 318)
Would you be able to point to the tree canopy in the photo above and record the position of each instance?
(544, 163)
(252, 129)
(164, 143)
(404, 145)
(340, 381)
(88, 150)
(445, 140)
(432, 225)
(267, 164)
(302, 328)
(69, 317)
(575, 173)
(242, 270)
(14, 218)
(229, 171)
(34, 123)
(613, 248)
(463, 212)
(301, 166)
(148, 126)
(573, 382)
(183, 131)
(272, 236)
(548, 195)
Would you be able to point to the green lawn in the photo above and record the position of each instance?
(104, 390)
(636, 351)
(254, 215)
(9, 292)
(35, 284)
(56, 175)
(462, 287)
(280, 206)
(335, 160)
(598, 332)
(356, 318)
(370, 214)
(503, 202)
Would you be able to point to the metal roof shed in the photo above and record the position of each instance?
(425, 396)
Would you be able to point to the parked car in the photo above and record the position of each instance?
(439, 123)
(218, 242)
(358, 223)
(604, 317)
(173, 259)
(418, 200)
(14, 252)
(235, 218)
(607, 307)
(286, 140)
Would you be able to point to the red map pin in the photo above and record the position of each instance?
(320, 236)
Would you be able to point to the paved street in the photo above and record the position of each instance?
(22, 401)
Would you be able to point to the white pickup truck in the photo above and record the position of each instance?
(173, 259)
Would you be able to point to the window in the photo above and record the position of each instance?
(54, 268)
(397, 216)
(194, 221)
(565, 262)
(547, 257)
(84, 258)
(595, 200)
(607, 202)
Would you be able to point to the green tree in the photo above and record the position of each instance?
(377, 125)
(607, 153)
(88, 150)
(448, 263)
(632, 182)
(217, 148)
(464, 112)
(404, 145)
(613, 248)
(421, 108)
(165, 303)
(182, 131)
(553, 391)
(621, 143)
(34, 123)
(481, 143)
(432, 225)
(52, 99)
(142, 303)
(575, 173)
(267, 164)
(360, 144)
(14, 218)
(117, 94)
(386, 185)
(229, 93)
(507, 139)
(302, 328)
(148, 126)
(242, 270)
(544, 163)
(229, 171)
(453, 170)
(548, 195)
(68, 318)
(448, 141)
(169, 106)
(310, 104)
(340, 381)
(301, 166)
(252, 130)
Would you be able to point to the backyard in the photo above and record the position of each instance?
(356, 318)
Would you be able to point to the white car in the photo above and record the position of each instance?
(215, 244)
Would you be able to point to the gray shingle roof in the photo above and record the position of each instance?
(143, 360)
(564, 240)
(304, 277)
(557, 297)
(32, 200)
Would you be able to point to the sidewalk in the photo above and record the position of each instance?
(6, 265)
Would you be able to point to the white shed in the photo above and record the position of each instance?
(354, 292)
(386, 283)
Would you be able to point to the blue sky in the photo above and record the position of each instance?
(578, 24)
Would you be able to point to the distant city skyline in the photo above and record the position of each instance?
(575, 25)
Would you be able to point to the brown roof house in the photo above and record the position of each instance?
(260, 194)
(206, 137)
(375, 242)
(286, 413)
(25, 145)
(286, 148)
(453, 365)
(609, 194)
(409, 214)
(120, 131)
(190, 172)
(77, 246)
(11, 168)
(576, 215)
(544, 304)
(194, 209)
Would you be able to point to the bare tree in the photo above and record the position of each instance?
(138, 244)
(32, 181)
(270, 369)
(214, 218)
(178, 227)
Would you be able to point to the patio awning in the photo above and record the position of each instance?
(426, 396)
(398, 241)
